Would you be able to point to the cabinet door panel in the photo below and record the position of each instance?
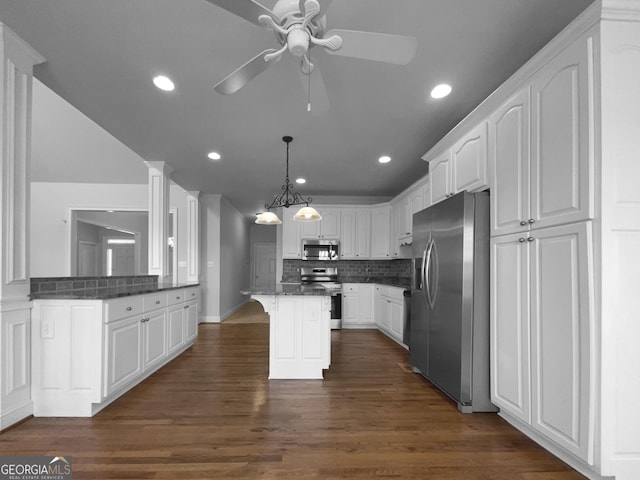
(291, 238)
(440, 178)
(155, 338)
(176, 330)
(380, 222)
(469, 161)
(349, 235)
(509, 146)
(191, 321)
(561, 167)
(510, 381)
(124, 354)
(561, 327)
(363, 234)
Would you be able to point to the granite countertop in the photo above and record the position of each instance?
(390, 281)
(105, 293)
(294, 289)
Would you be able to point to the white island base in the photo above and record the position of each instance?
(299, 335)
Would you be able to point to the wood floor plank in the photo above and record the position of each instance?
(212, 413)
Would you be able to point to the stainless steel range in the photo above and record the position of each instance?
(325, 278)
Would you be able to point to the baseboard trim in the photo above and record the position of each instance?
(235, 309)
(210, 319)
(15, 416)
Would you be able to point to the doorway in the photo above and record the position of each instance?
(264, 266)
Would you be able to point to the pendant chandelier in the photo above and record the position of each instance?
(287, 199)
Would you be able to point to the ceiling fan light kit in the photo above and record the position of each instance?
(286, 199)
(299, 25)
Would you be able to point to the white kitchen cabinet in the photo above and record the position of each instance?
(463, 167)
(355, 241)
(380, 232)
(389, 311)
(561, 166)
(509, 140)
(86, 353)
(469, 161)
(191, 320)
(541, 331)
(357, 305)
(380, 311)
(553, 186)
(440, 177)
(291, 238)
(123, 361)
(327, 228)
(176, 335)
(154, 337)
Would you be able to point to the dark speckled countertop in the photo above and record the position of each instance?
(294, 289)
(105, 293)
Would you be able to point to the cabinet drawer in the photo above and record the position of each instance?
(176, 296)
(349, 288)
(192, 293)
(123, 307)
(153, 301)
(395, 293)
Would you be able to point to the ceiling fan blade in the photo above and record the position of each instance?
(247, 9)
(237, 79)
(380, 47)
(324, 4)
(319, 99)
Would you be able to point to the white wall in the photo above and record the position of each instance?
(224, 256)
(259, 234)
(50, 204)
(50, 216)
(210, 257)
(234, 258)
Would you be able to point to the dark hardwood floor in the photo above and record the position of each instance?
(212, 413)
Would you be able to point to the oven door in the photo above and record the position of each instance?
(336, 311)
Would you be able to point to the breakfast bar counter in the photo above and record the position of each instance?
(299, 331)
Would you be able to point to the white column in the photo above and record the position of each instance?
(158, 218)
(16, 76)
(193, 236)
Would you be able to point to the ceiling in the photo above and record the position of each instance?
(102, 55)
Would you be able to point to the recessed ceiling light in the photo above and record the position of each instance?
(214, 156)
(163, 83)
(300, 180)
(384, 159)
(441, 91)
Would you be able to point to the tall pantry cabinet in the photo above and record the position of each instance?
(563, 138)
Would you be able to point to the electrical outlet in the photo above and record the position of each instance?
(46, 329)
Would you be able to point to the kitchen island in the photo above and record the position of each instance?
(299, 330)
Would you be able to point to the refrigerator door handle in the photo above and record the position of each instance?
(423, 275)
(427, 271)
(433, 265)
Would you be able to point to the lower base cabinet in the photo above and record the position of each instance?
(86, 353)
(541, 331)
(357, 305)
(389, 311)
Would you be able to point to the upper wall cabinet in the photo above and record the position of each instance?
(469, 161)
(550, 119)
(509, 150)
(463, 167)
(328, 227)
(561, 167)
(291, 245)
(380, 232)
(355, 242)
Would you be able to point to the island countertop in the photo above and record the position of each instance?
(295, 289)
(105, 293)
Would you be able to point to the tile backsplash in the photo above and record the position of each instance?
(62, 284)
(354, 270)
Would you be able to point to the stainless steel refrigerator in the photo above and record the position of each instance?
(449, 342)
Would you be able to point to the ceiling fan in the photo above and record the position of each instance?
(300, 25)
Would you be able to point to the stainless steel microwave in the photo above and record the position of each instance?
(313, 249)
